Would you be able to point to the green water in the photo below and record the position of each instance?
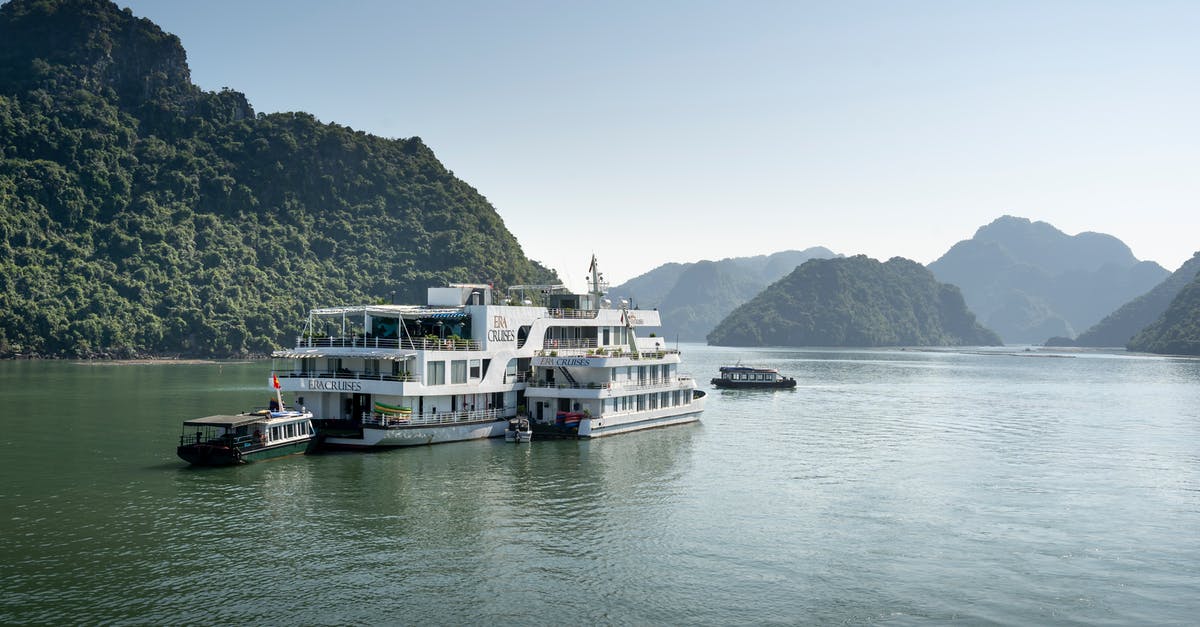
(892, 486)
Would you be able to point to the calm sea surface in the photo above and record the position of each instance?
(891, 486)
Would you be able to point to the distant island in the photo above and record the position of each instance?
(694, 297)
(855, 301)
(1030, 281)
(144, 216)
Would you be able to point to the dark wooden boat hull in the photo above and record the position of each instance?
(216, 455)
(784, 384)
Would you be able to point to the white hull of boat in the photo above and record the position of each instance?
(421, 435)
(600, 427)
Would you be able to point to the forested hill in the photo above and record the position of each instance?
(854, 301)
(694, 297)
(1177, 331)
(142, 215)
(1117, 328)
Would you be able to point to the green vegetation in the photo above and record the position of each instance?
(1177, 332)
(1029, 281)
(855, 301)
(141, 215)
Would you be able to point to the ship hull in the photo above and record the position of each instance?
(213, 455)
(416, 435)
(589, 428)
(727, 384)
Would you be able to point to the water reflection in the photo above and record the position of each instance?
(890, 485)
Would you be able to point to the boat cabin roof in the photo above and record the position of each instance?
(746, 369)
(229, 422)
(260, 417)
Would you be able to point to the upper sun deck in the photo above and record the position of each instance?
(371, 328)
(470, 317)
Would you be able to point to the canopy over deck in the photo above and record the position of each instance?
(229, 422)
(408, 312)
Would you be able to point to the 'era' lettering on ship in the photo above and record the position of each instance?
(334, 385)
(500, 331)
(563, 361)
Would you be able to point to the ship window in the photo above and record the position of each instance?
(475, 368)
(458, 371)
(435, 373)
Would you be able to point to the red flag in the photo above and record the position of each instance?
(275, 381)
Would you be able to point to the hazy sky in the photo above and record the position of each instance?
(658, 131)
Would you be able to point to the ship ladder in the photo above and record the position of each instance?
(567, 373)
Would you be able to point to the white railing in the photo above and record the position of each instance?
(557, 344)
(348, 374)
(574, 313)
(430, 418)
(361, 341)
(609, 352)
(520, 377)
(624, 386)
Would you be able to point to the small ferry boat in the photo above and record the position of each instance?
(462, 365)
(743, 377)
(244, 438)
(518, 430)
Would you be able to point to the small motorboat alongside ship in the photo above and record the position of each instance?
(244, 438)
(518, 430)
(746, 378)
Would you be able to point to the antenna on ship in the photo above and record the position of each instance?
(598, 286)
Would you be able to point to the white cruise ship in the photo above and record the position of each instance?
(460, 366)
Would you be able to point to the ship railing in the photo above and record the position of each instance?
(610, 352)
(403, 377)
(569, 386)
(520, 377)
(401, 419)
(370, 341)
(630, 386)
(568, 344)
(574, 313)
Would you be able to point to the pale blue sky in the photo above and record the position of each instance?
(649, 132)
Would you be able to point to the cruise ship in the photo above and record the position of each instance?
(460, 366)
